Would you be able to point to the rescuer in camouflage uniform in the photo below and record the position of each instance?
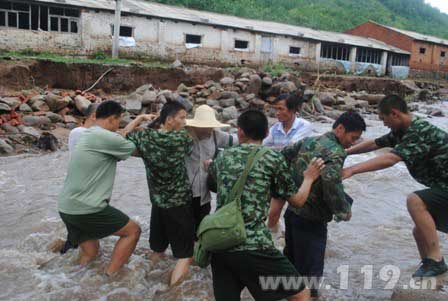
(306, 227)
(424, 149)
(163, 153)
(243, 265)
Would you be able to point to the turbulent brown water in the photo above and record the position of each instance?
(378, 235)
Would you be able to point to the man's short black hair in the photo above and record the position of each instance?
(352, 122)
(254, 124)
(109, 108)
(293, 101)
(170, 109)
(392, 102)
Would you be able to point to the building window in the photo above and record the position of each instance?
(193, 39)
(294, 51)
(241, 45)
(443, 54)
(38, 17)
(400, 60)
(368, 55)
(266, 45)
(335, 52)
(125, 31)
(422, 50)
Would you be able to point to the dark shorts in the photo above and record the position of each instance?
(436, 200)
(233, 271)
(306, 242)
(93, 226)
(200, 211)
(175, 227)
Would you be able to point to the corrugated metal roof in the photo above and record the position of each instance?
(183, 14)
(416, 35)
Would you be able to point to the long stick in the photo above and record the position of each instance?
(98, 80)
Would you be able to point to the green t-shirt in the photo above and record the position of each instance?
(91, 171)
(424, 149)
(269, 177)
(164, 153)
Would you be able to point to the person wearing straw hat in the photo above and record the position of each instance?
(208, 140)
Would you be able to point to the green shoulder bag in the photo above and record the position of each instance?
(225, 228)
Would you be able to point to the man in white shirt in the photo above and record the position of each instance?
(289, 128)
(207, 142)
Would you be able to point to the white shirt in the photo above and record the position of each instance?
(74, 137)
(277, 137)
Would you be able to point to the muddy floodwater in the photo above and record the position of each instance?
(365, 258)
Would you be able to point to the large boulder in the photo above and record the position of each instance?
(254, 85)
(374, 99)
(229, 113)
(56, 102)
(40, 105)
(133, 105)
(36, 121)
(228, 102)
(282, 87)
(327, 98)
(82, 104)
(4, 107)
(148, 97)
(25, 108)
(12, 102)
(226, 81)
(5, 148)
(267, 81)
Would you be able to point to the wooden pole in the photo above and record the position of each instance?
(115, 42)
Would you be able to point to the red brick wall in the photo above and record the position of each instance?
(430, 61)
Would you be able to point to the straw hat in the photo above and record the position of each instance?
(205, 117)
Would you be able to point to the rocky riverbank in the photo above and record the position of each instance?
(39, 119)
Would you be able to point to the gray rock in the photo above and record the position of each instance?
(40, 105)
(4, 107)
(186, 94)
(148, 97)
(161, 99)
(55, 118)
(176, 64)
(25, 108)
(436, 113)
(142, 89)
(82, 104)
(127, 118)
(218, 109)
(242, 103)
(374, 99)
(249, 97)
(229, 113)
(35, 98)
(212, 102)
(226, 81)
(267, 81)
(56, 102)
(283, 87)
(36, 120)
(308, 94)
(133, 105)
(327, 98)
(7, 127)
(364, 104)
(228, 94)
(188, 105)
(227, 102)
(12, 102)
(201, 101)
(258, 103)
(167, 94)
(182, 88)
(254, 85)
(334, 114)
(30, 131)
(5, 148)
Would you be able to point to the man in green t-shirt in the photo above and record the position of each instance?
(163, 153)
(84, 201)
(247, 264)
(424, 149)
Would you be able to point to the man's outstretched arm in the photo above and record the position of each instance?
(378, 163)
(363, 147)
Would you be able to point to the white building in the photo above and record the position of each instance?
(167, 32)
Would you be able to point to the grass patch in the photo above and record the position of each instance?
(98, 57)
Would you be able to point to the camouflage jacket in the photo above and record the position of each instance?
(164, 156)
(270, 176)
(424, 149)
(327, 197)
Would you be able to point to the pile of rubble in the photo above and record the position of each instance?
(27, 117)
